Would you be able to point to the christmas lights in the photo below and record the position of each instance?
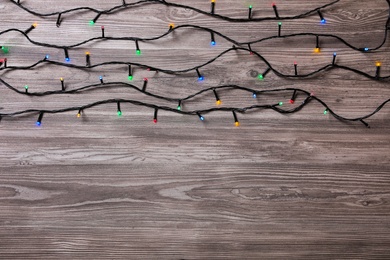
(138, 51)
(294, 95)
(145, 84)
(32, 27)
(155, 115)
(217, 100)
(250, 49)
(279, 29)
(200, 77)
(322, 19)
(275, 10)
(39, 120)
(92, 22)
(378, 69)
(317, 48)
(296, 69)
(334, 58)
(261, 76)
(179, 107)
(62, 84)
(275, 107)
(170, 4)
(3, 61)
(196, 68)
(212, 39)
(119, 111)
(130, 77)
(87, 59)
(102, 28)
(67, 59)
(200, 116)
(5, 49)
(58, 23)
(236, 122)
(212, 6)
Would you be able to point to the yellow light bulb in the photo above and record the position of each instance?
(218, 102)
(87, 53)
(35, 25)
(237, 123)
(317, 50)
(172, 25)
(378, 64)
(78, 114)
(62, 79)
(212, 1)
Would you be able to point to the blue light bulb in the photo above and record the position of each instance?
(254, 95)
(100, 77)
(366, 49)
(200, 117)
(201, 78)
(323, 21)
(38, 123)
(67, 59)
(47, 56)
(213, 43)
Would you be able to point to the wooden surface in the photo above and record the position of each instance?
(301, 186)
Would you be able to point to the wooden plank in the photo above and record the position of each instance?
(297, 186)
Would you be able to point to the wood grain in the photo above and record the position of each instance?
(301, 186)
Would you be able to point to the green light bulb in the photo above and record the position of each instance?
(280, 23)
(5, 49)
(138, 52)
(130, 77)
(250, 7)
(119, 113)
(26, 87)
(261, 77)
(91, 22)
(325, 111)
(280, 103)
(178, 107)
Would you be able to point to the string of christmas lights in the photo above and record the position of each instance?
(261, 76)
(255, 93)
(200, 113)
(178, 109)
(212, 13)
(212, 32)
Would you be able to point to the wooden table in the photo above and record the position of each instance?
(296, 186)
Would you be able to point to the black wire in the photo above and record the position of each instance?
(175, 72)
(196, 112)
(274, 107)
(171, 30)
(226, 18)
